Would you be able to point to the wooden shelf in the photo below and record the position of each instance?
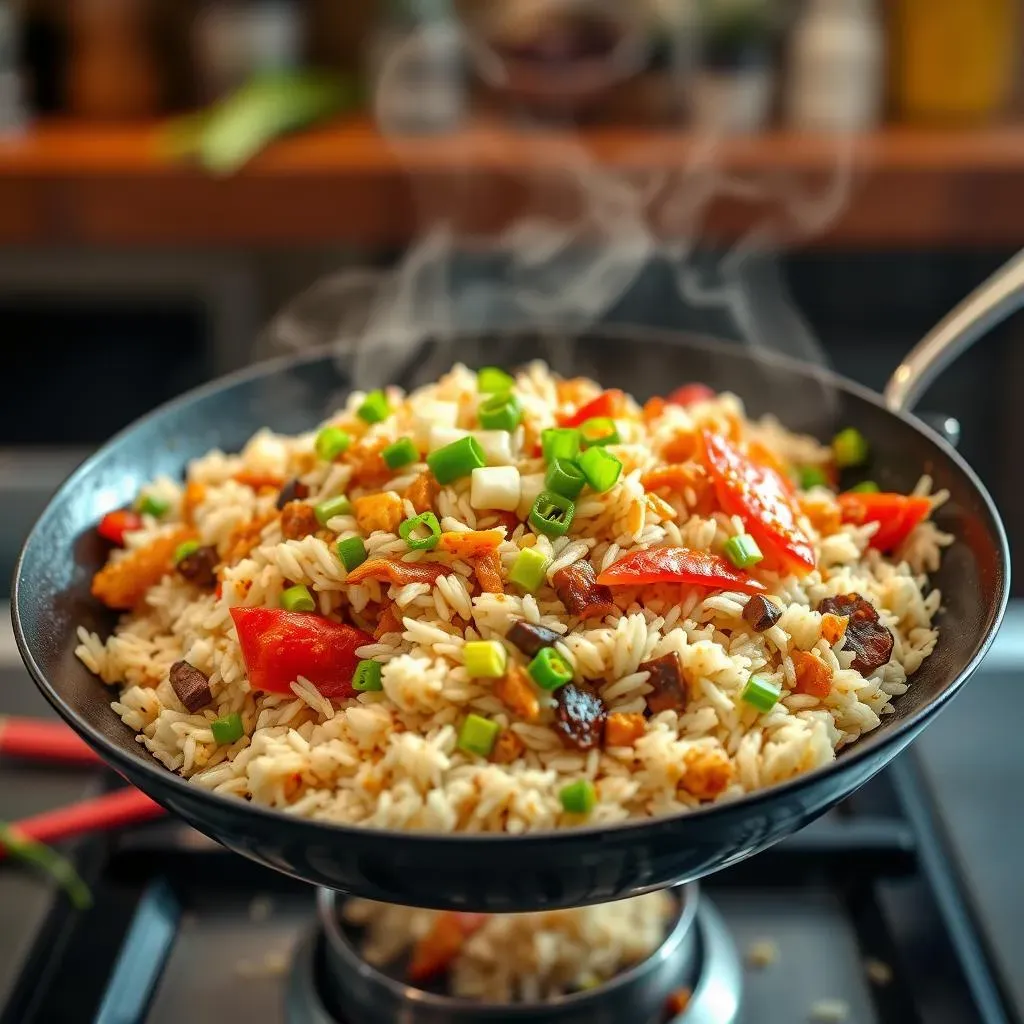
(72, 184)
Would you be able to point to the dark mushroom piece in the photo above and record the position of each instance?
(200, 567)
(190, 686)
(580, 716)
(760, 613)
(531, 639)
(669, 687)
(870, 641)
(578, 589)
(294, 490)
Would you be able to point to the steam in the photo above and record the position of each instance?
(561, 278)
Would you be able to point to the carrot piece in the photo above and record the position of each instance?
(195, 495)
(389, 622)
(813, 676)
(488, 573)
(708, 773)
(833, 627)
(507, 748)
(399, 573)
(516, 692)
(123, 584)
(422, 492)
(378, 512)
(682, 447)
(653, 408)
(441, 945)
(259, 481)
(471, 544)
(623, 730)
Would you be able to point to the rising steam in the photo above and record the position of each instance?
(564, 277)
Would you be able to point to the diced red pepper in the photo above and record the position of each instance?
(690, 394)
(609, 403)
(441, 945)
(114, 525)
(761, 497)
(280, 646)
(677, 565)
(896, 514)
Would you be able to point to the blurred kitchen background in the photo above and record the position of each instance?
(189, 185)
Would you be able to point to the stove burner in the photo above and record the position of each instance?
(698, 953)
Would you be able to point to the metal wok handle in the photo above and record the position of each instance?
(987, 306)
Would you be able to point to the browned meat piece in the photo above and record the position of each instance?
(870, 641)
(580, 716)
(488, 573)
(666, 676)
(123, 584)
(578, 589)
(200, 567)
(244, 538)
(624, 730)
(760, 613)
(191, 686)
(517, 693)
(378, 512)
(813, 676)
(298, 520)
(508, 748)
(530, 639)
(294, 490)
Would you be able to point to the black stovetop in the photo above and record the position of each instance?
(183, 930)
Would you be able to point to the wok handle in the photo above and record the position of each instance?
(987, 306)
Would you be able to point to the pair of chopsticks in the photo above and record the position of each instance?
(53, 743)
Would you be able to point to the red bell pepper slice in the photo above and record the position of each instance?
(114, 525)
(611, 404)
(280, 646)
(442, 944)
(690, 394)
(677, 565)
(896, 514)
(760, 496)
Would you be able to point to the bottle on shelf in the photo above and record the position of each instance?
(836, 73)
(13, 115)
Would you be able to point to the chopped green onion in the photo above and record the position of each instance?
(599, 430)
(327, 510)
(560, 443)
(850, 448)
(456, 460)
(298, 599)
(374, 408)
(150, 505)
(352, 552)
(184, 549)
(484, 659)
(601, 468)
(427, 521)
(49, 861)
(227, 729)
(529, 570)
(367, 677)
(761, 693)
(478, 735)
(400, 454)
(578, 797)
(552, 514)
(549, 669)
(331, 442)
(811, 476)
(564, 478)
(491, 380)
(743, 551)
(866, 487)
(501, 411)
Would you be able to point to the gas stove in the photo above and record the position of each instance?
(877, 913)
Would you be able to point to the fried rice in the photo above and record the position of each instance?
(396, 757)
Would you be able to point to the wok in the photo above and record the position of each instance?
(554, 869)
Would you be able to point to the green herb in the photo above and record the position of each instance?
(601, 468)
(549, 669)
(761, 693)
(352, 552)
(375, 408)
(529, 570)
(400, 454)
(564, 478)
(298, 599)
(478, 735)
(331, 442)
(561, 443)
(408, 532)
(552, 514)
(327, 510)
(456, 460)
(743, 551)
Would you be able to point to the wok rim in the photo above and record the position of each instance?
(861, 750)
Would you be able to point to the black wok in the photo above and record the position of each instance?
(512, 873)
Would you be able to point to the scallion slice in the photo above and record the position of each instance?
(331, 442)
(411, 532)
(549, 669)
(501, 411)
(456, 460)
(564, 478)
(866, 487)
(150, 505)
(529, 569)
(552, 514)
(49, 861)
(560, 443)
(601, 468)
(227, 729)
(850, 448)
(352, 552)
(743, 551)
(478, 735)
(599, 430)
(484, 659)
(327, 510)
(761, 693)
(490, 380)
(400, 454)
(375, 408)
(367, 677)
(298, 599)
(578, 797)
(184, 549)
(811, 476)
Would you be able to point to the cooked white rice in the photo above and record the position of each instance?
(525, 957)
(390, 759)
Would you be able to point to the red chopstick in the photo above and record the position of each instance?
(37, 740)
(113, 810)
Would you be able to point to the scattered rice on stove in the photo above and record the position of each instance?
(829, 1011)
(525, 957)
(762, 953)
(391, 759)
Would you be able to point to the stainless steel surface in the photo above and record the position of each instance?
(987, 306)
(718, 992)
(371, 996)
